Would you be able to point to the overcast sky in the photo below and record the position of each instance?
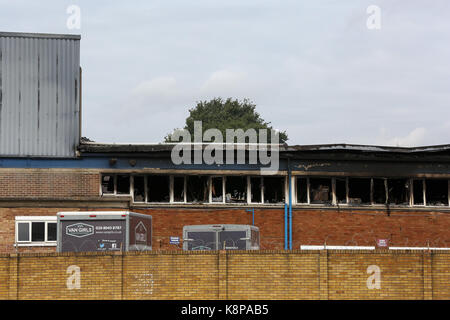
(313, 68)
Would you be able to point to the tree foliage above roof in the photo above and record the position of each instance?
(226, 114)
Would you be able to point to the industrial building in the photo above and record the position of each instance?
(322, 195)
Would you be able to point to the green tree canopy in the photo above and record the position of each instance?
(228, 114)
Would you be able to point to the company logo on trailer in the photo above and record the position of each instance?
(79, 230)
(140, 233)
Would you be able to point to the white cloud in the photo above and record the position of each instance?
(161, 88)
(414, 138)
(226, 83)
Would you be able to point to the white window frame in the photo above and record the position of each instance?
(294, 182)
(115, 194)
(29, 220)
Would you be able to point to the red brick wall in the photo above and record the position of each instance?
(48, 183)
(313, 227)
(7, 227)
(345, 227)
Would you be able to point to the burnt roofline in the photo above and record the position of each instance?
(95, 147)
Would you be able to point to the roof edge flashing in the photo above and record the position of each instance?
(40, 35)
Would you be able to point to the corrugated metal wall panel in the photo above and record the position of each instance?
(39, 95)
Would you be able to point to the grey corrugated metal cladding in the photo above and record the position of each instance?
(39, 94)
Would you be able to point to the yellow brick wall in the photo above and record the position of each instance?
(441, 276)
(250, 275)
(46, 277)
(171, 275)
(272, 276)
(4, 276)
(401, 276)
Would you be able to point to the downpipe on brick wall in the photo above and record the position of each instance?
(285, 226)
(290, 204)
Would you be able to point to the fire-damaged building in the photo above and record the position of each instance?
(321, 195)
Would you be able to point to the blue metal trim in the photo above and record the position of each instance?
(121, 163)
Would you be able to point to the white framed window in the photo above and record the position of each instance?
(35, 231)
(115, 184)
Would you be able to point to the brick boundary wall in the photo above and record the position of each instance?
(270, 274)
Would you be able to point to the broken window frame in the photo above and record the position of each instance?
(296, 190)
(208, 189)
(172, 189)
(210, 184)
(261, 189)
(101, 185)
(246, 187)
(367, 203)
(407, 203)
(426, 198)
(145, 187)
(128, 177)
(285, 194)
(115, 185)
(332, 192)
(372, 191)
(424, 194)
(335, 198)
(295, 185)
(147, 191)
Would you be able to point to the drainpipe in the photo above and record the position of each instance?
(290, 205)
(285, 227)
(252, 211)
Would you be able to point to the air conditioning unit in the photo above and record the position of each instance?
(220, 237)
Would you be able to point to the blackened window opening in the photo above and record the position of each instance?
(436, 192)
(236, 189)
(123, 184)
(418, 192)
(217, 189)
(320, 190)
(302, 190)
(398, 191)
(158, 188)
(256, 185)
(178, 189)
(197, 189)
(139, 188)
(341, 190)
(273, 189)
(359, 191)
(379, 191)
